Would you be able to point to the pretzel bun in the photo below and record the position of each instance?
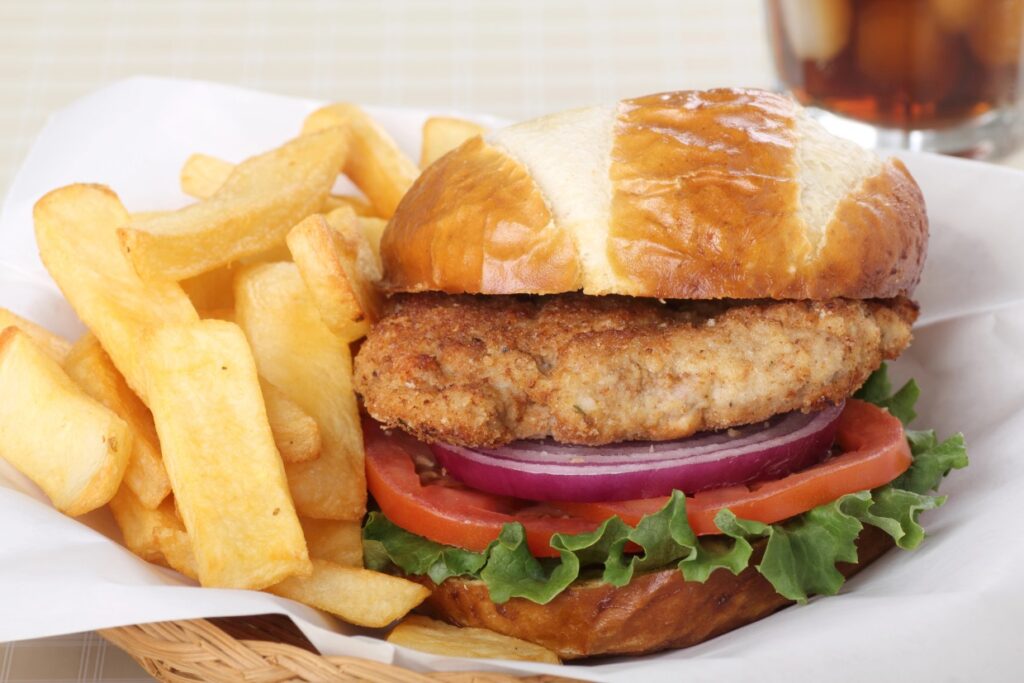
(653, 612)
(684, 195)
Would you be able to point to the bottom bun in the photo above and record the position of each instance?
(655, 611)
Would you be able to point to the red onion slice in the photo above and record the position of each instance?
(546, 471)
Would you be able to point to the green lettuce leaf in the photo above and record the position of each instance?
(878, 390)
(383, 540)
(799, 558)
(932, 460)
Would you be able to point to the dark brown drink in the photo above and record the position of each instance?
(906, 64)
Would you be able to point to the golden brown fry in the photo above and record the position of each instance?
(226, 314)
(70, 445)
(345, 301)
(177, 551)
(202, 175)
(228, 480)
(437, 637)
(374, 162)
(355, 240)
(139, 524)
(56, 347)
(88, 364)
(357, 204)
(298, 353)
(334, 540)
(147, 215)
(295, 432)
(359, 596)
(442, 134)
(279, 252)
(211, 290)
(76, 231)
(373, 230)
(250, 213)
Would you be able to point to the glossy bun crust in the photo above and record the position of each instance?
(656, 611)
(685, 195)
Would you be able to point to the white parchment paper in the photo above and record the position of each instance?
(952, 610)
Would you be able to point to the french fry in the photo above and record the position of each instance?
(70, 445)
(436, 637)
(359, 596)
(76, 231)
(298, 353)
(357, 204)
(361, 255)
(326, 259)
(295, 432)
(140, 525)
(373, 230)
(147, 215)
(250, 213)
(55, 346)
(226, 314)
(442, 134)
(374, 162)
(177, 551)
(211, 290)
(88, 364)
(202, 175)
(337, 541)
(228, 480)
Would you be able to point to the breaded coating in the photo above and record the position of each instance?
(487, 370)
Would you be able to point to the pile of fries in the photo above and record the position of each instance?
(210, 405)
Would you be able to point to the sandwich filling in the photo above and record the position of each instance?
(453, 380)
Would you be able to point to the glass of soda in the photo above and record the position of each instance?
(934, 75)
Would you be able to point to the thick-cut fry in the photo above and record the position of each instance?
(140, 525)
(177, 552)
(334, 540)
(226, 314)
(361, 256)
(55, 346)
(88, 364)
(211, 290)
(374, 162)
(295, 432)
(202, 175)
(357, 204)
(326, 258)
(298, 353)
(373, 230)
(70, 445)
(147, 215)
(442, 134)
(359, 596)
(76, 230)
(436, 637)
(248, 214)
(228, 479)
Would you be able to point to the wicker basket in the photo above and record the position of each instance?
(263, 649)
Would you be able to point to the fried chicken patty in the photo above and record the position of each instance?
(487, 370)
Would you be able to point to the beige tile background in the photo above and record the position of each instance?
(511, 57)
(515, 58)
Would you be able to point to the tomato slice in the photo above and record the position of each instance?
(414, 494)
(445, 511)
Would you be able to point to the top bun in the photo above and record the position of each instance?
(684, 195)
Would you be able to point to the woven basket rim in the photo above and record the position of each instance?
(193, 650)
